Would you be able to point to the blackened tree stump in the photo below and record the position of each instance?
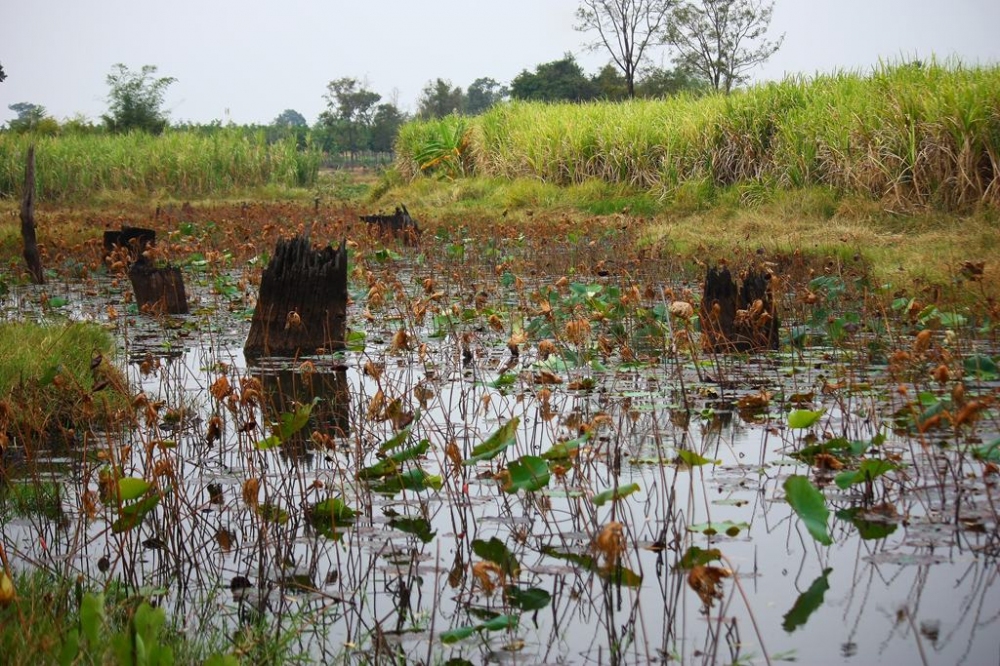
(738, 318)
(158, 289)
(31, 255)
(133, 239)
(398, 225)
(302, 306)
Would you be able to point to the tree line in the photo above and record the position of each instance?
(714, 44)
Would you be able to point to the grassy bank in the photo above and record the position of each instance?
(55, 378)
(906, 136)
(175, 164)
(52, 621)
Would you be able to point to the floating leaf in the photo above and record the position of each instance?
(807, 603)
(616, 574)
(692, 459)
(333, 509)
(810, 505)
(273, 513)
(529, 473)
(132, 514)
(132, 488)
(869, 470)
(869, 530)
(695, 556)
(533, 598)
(566, 450)
(601, 498)
(727, 527)
(415, 479)
(495, 443)
(988, 452)
(981, 366)
(393, 463)
(500, 622)
(837, 447)
(496, 551)
(418, 527)
(804, 418)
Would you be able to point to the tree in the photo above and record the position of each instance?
(349, 114)
(610, 84)
(135, 101)
(385, 127)
(29, 116)
(290, 118)
(659, 82)
(439, 99)
(625, 28)
(722, 40)
(556, 81)
(484, 93)
(3, 74)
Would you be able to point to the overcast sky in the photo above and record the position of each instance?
(247, 60)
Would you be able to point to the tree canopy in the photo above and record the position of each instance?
(439, 99)
(559, 80)
(722, 40)
(3, 74)
(625, 29)
(135, 101)
(290, 118)
(483, 93)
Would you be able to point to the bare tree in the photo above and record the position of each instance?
(722, 40)
(625, 28)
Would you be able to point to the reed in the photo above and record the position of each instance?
(177, 164)
(908, 135)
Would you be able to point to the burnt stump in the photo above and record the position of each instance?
(302, 305)
(397, 225)
(738, 318)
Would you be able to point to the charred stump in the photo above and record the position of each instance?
(738, 318)
(158, 289)
(302, 306)
(398, 225)
(31, 255)
(133, 240)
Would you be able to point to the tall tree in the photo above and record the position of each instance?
(439, 99)
(659, 82)
(722, 40)
(135, 101)
(350, 110)
(3, 74)
(556, 81)
(385, 127)
(483, 93)
(625, 29)
(290, 118)
(29, 116)
(610, 84)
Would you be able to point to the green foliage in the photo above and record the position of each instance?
(495, 443)
(529, 473)
(807, 603)
(135, 100)
(556, 81)
(288, 424)
(840, 132)
(439, 99)
(810, 505)
(616, 493)
(178, 163)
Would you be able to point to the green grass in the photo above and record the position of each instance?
(46, 378)
(910, 137)
(44, 624)
(176, 164)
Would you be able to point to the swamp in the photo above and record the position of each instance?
(526, 449)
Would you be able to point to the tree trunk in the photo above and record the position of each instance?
(742, 319)
(158, 290)
(302, 306)
(31, 256)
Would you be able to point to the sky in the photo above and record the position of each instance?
(247, 61)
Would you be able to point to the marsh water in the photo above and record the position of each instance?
(453, 565)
